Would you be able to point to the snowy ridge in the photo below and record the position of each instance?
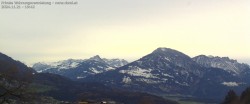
(65, 64)
(115, 62)
(230, 65)
(77, 69)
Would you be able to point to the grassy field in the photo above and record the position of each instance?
(190, 102)
(38, 88)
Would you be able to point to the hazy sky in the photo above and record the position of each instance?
(127, 29)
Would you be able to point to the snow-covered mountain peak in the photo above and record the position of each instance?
(115, 62)
(96, 58)
(162, 49)
(169, 56)
(168, 52)
(161, 65)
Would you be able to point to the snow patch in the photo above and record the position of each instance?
(163, 49)
(74, 64)
(183, 84)
(40, 71)
(126, 79)
(149, 81)
(230, 84)
(167, 58)
(79, 77)
(95, 71)
(110, 68)
(136, 71)
(167, 75)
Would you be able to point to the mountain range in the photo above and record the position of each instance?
(163, 72)
(229, 65)
(47, 88)
(168, 71)
(78, 69)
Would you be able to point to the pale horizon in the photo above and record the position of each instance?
(127, 29)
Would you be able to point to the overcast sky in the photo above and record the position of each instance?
(127, 29)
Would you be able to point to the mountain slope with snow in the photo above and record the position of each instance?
(162, 71)
(76, 69)
(168, 71)
(229, 65)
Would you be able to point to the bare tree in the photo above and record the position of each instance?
(13, 85)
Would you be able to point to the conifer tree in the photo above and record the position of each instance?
(245, 96)
(231, 98)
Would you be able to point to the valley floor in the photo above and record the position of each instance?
(188, 100)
